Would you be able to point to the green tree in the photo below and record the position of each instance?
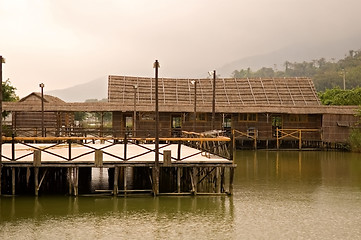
(338, 96)
(8, 92)
(325, 74)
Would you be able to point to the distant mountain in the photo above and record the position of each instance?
(297, 53)
(96, 89)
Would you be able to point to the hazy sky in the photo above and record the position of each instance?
(67, 42)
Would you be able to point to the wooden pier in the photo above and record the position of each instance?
(63, 165)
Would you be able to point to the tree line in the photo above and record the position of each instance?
(325, 74)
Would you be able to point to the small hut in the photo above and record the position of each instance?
(29, 119)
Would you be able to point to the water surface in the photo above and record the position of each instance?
(277, 195)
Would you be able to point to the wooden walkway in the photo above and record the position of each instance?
(183, 169)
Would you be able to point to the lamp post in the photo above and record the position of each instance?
(41, 85)
(2, 60)
(156, 160)
(214, 98)
(194, 82)
(135, 86)
(344, 78)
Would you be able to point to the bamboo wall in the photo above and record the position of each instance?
(336, 127)
(263, 124)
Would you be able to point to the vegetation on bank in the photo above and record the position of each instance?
(337, 83)
(325, 74)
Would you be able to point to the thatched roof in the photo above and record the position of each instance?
(289, 96)
(229, 91)
(35, 97)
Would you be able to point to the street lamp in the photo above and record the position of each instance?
(194, 82)
(135, 87)
(156, 160)
(214, 97)
(41, 85)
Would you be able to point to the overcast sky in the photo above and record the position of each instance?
(68, 42)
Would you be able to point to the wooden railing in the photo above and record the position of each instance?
(71, 143)
(211, 142)
(282, 133)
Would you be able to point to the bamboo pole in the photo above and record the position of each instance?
(218, 180)
(178, 179)
(36, 180)
(231, 176)
(70, 180)
(13, 180)
(76, 181)
(125, 180)
(116, 178)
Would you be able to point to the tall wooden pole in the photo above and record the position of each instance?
(1, 110)
(156, 160)
(195, 106)
(214, 100)
(41, 85)
(135, 111)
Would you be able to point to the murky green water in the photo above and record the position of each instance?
(277, 195)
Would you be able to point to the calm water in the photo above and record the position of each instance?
(277, 195)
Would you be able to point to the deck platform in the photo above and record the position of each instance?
(66, 165)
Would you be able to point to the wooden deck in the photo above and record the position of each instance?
(65, 163)
(142, 154)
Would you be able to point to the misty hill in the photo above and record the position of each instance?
(296, 53)
(96, 89)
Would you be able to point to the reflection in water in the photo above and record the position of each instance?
(277, 195)
(101, 217)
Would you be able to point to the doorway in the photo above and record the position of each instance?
(277, 123)
(176, 125)
(128, 125)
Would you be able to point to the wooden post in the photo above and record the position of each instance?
(125, 180)
(167, 157)
(218, 180)
(98, 158)
(156, 159)
(2, 60)
(222, 179)
(278, 143)
(125, 146)
(13, 180)
(36, 180)
(69, 150)
(178, 179)
(1, 169)
(214, 101)
(76, 181)
(179, 151)
(12, 147)
(116, 177)
(231, 176)
(70, 180)
(37, 158)
(194, 180)
(233, 146)
(299, 139)
(27, 176)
